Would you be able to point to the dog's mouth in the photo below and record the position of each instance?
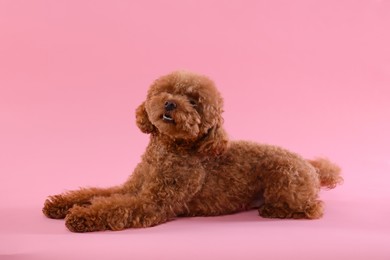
(167, 118)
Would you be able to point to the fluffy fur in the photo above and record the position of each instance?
(191, 168)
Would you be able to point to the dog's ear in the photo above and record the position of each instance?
(142, 120)
(214, 142)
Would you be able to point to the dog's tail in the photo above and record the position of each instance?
(329, 172)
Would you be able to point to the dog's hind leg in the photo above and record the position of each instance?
(291, 191)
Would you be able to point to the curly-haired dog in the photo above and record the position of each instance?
(190, 168)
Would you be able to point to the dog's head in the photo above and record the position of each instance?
(184, 106)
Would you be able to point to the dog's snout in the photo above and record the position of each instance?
(169, 105)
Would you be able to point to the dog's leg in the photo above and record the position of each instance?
(291, 191)
(312, 210)
(116, 212)
(57, 206)
(158, 202)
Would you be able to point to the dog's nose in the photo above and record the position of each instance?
(169, 105)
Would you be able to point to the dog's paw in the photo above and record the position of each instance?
(309, 211)
(270, 211)
(83, 219)
(56, 207)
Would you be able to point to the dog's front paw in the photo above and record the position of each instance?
(83, 219)
(56, 207)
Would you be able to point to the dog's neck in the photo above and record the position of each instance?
(169, 144)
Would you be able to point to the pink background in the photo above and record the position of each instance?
(311, 76)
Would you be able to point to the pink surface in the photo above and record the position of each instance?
(312, 76)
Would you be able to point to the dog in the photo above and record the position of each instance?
(191, 168)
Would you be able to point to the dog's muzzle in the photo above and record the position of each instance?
(169, 105)
(168, 118)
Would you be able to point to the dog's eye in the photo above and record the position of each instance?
(193, 103)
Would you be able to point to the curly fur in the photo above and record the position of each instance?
(191, 168)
